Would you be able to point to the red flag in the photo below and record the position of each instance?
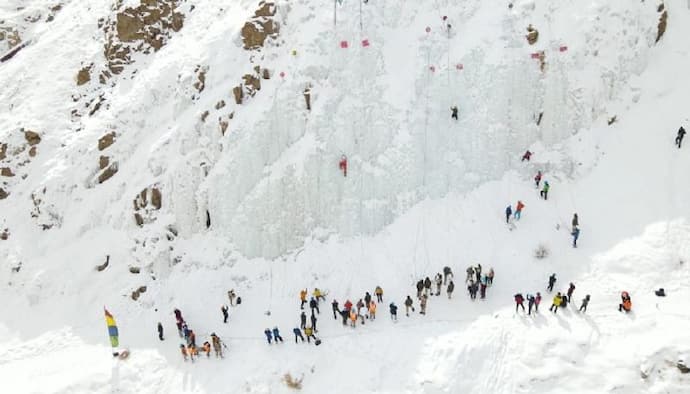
(365, 43)
(343, 44)
(459, 66)
(428, 29)
(563, 48)
(282, 74)
(535, 55)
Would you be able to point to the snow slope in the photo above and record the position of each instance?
(422, 192)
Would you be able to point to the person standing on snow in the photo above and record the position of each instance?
(571, 289)
(160, 331)
(408, 306)
(537, 301)
(679, 137)
(626, 304)
(379, 294)
(302, 320)
(215, 340)
(454, 112)
(473, 288)
(345, 314)
(575, 222)
(372, 310)
(537, 179)
(530, 303)
(451, 287)
(557, 301)
(298, 334)
(427, 286)
(545, 191)
(490, 276)
(314, 305)
(420, 288)
(206, 348)
(367, 299)
(303, 298)
(422, 305)
(518, 209)
(276, 335)
(309, 333)
(318, 295)
(576, 235)
(394, 311)
(446, 273)
(519, 302)
(509, 211)
(585, 302)
(313, 322)
(552, 281)
(526, 156)
(482, 287)
(470, 274)
(224, 311)
(439, 282)
(334, 305)
(478, 272)
(353, 318)
(232, 296)
(183, 350)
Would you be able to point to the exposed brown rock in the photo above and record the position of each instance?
(220, 104)
(260, 27)
(6, 171)
(200, 84)
(84, 75)
(3, 151)
(238, 93)
(265, 74)
(223, 126)
(138, 292)
(265, 9)
(204, 116)
(661, 28)
(103, 162)
(252, 83)
(134, 270)
(5, 234)
(106, 140)
(532, 35)
(108, 173)
(32, 151)
(32, 137)
(138, 219)
(3, 194)
(156, 198)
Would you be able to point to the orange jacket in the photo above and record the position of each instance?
(303, 295)
(372, 307)
(520, 205)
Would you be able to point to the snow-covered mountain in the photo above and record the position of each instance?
(155, 154)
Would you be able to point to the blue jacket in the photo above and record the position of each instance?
(576, 232)
(393, 309)
(268, 333)
(276, 333)
(297, 331)
(509, 210)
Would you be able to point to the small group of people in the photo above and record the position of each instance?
(478, 282)
(190, 350)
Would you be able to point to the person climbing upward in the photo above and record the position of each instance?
(343, 165)
(544, 193)
(518, 209)
(576, 234)
(679, 137)
(454, 112)
(160, 331)
(575, 222)
(526, 156)
(537, 179)
(585, 302)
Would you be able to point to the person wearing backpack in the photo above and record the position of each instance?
(379, 294)
(557, 301)
(519, 302)
(394, 311)
(408, 306)
(451, 287)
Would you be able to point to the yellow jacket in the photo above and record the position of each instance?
(557, 300)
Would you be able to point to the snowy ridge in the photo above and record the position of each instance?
(422, 192)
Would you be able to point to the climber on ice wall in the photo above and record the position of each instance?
(343, 165)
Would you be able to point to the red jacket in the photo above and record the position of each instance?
(520, 205)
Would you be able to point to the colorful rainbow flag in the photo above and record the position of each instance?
(112, 328)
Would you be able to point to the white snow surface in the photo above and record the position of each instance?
(423, 191)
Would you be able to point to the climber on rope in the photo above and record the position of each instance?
(626, 304)
(679, 137)
(454, 112)
(343, 165)
(526, 156)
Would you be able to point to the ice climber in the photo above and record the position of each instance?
(526, 156)
(427, 286)
(679, 137)
(336, 311)
(537, 179)
(544, 193)
(552, 281)
(451, 287)
(509, 211)
(439, 283)
(160, 331)
(519, 302)
(420, 288)
(454, 112)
